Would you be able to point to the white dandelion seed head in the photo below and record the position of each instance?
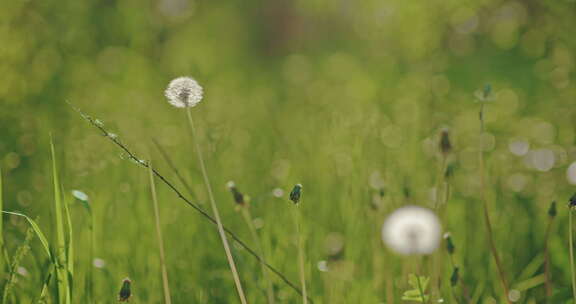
(412, 230)
(184, 92)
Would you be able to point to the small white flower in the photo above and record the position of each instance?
(22, 271)
(412, 230)
(322, 266)
(99, 263)
(80, 195)
(277, 192)
(184, 92)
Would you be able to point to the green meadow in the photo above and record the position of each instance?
(466, 108)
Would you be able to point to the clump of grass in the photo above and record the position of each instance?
(45, 245)
(295, 197)
(165, 284)
(134, 157)
(21, 252)
(64, 249)
(185, 92)
(243, 205)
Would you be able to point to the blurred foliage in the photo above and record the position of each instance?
(346, 97)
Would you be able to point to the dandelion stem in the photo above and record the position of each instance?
(215, 210)
(571, 254)
(547, 259)
(485, 205)
(296, 213)
(167, 298)
(420, 289)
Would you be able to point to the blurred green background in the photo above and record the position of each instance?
(346, 97)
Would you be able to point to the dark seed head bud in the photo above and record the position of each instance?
(449, 244)
(445, 145)
(296, 193)
(454, 277)
(125, 292)
(572, 201)
(552, 210)
(238, 197)
(449, 171)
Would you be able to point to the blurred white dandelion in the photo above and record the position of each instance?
(184, 92)
(80, 195)
(412, 230)
(571, 173)
(277, 192)
(322, 266)
(22, 271)
(99, 263)
(514, 295)
(519, 147)
(258, 223)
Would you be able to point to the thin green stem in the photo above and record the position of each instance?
(248, 219)
(296, 213)
(485, 207)
(420, 289)
(547, 260)
(571, 255)
(215, 211)
(165, 285)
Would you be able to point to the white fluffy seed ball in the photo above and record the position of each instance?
(412, 230)
(184, 92)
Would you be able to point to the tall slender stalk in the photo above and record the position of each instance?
(2, 256)
(570, 243)
(165, 285)
(248, 219)
(61, 258)
(296, 215)
(215, 211)
(551, 216)
(485, 206)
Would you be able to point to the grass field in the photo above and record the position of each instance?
(354, 100)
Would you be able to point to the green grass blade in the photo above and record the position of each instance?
(2, 256)
(61, 264)
(41, 236)
(45, 245)
(69, 253)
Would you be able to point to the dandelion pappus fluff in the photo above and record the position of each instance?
(184, 92)
(412, 230)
